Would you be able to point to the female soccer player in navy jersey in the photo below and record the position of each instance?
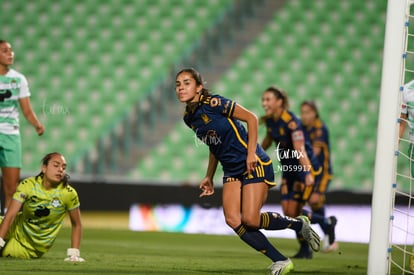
(248, 171)
(297, 162)
(44, 201)
(319, 137)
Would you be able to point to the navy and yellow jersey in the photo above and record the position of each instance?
(282, 132)
(37, 225)
(225, 136)
(319, 137)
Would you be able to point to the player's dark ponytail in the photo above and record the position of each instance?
(45, 161)
(279, 94)
(311, 104)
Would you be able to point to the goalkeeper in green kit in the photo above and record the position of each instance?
(44, 201)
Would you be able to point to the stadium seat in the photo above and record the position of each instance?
(336, 63)
(89, 59)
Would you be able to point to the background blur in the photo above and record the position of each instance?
(102, 79)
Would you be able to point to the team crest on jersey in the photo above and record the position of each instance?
(56, 202)
(205, 118)
(281, 131)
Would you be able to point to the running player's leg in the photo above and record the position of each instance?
(232, 212)
(317, 204)
(254, 196)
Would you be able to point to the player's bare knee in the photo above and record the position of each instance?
(251, 221)
(232, 222)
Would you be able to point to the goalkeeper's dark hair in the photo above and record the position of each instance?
(311, 104)
(45, 161)
(3, 41)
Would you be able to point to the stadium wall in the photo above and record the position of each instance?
(106, 196)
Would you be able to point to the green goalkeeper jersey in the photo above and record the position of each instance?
(37, 225)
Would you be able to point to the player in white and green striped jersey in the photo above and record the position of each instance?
(14, 93)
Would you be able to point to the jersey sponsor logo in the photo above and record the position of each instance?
(5, 94)
(42, 211)
(231, 179)
(10, 86)
(215, 102)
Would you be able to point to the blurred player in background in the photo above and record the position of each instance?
(407, 118)
(293, 150)
(319, 136)
(14, 91)
(248, 171)
(44, 201)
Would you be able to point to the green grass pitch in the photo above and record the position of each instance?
(118, 251)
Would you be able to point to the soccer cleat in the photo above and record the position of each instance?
(281, 267)
(329, 243)
(303, 255)
(309, 234)
(327, 248)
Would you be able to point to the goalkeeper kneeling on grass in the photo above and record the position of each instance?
(35, 215)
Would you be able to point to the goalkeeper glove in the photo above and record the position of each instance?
(2, 243)
(73, 255)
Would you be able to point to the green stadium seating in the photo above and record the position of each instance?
(331, 57)
(97, 60)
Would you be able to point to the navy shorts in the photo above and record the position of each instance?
(262, 173)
